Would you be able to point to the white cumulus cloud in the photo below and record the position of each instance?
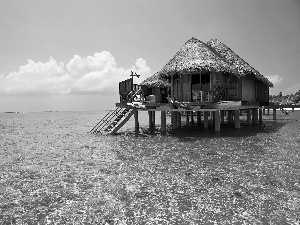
(275, 79)
(96, 74)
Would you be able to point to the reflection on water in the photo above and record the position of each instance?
(188, 176)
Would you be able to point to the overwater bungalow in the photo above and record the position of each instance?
(203, 78)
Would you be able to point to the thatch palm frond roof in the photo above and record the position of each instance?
(195, 55)
(242, 66)
(156, 80)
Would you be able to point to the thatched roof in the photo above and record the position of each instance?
(196, 56)
(156, 80)
(243, 67)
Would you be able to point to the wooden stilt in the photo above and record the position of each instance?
(229, 118)
(237, 123)
(198, 117)
(293, 109)
(222, 116)
(174, 116)
(192, 117)
(163, 128)
(264, 111)
(217, 121)
(268, 111)
(212, 116)
(249, 119)
(150, 121)
(206, 119)
(260, 115)
(187, 117)
(178, 119)
(274, 113)
(136, 119)
(153, 120)
(254, 115)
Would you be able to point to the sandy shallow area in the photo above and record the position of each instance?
(53, 171)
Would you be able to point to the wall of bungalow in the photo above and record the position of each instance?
(208, 86)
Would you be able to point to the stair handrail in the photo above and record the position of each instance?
(107, 116)
(112, 118)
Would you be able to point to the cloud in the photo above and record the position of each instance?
(275, 79)
(96, 74)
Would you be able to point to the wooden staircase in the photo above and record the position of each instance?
(114, 119)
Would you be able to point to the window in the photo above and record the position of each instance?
(233, 85)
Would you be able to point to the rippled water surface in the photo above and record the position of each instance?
(54, 171)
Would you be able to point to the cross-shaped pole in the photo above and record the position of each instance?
(134, 75)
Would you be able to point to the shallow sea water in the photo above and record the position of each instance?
(53, 171)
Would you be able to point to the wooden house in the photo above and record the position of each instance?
(155, 89)
(212, 72)
(202, 78)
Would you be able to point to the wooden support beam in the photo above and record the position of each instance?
(264, 111)
(237, 123)
(212, 116)
(217, 121)
(260, 118)
(255, 115)
(229, 117)
(222, 116)
(198, 117)
(293, 109)
(163, 128)
(249, 119)
(174, 122)
(274, 113)
(178, 119)
(136, 119)
(150, 121)
(153, 119)
(268, 111)
(192, 117)
(206, 119)
(187, 117)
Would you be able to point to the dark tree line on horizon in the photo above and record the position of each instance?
(285, 99)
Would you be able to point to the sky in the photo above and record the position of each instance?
(69, 55)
